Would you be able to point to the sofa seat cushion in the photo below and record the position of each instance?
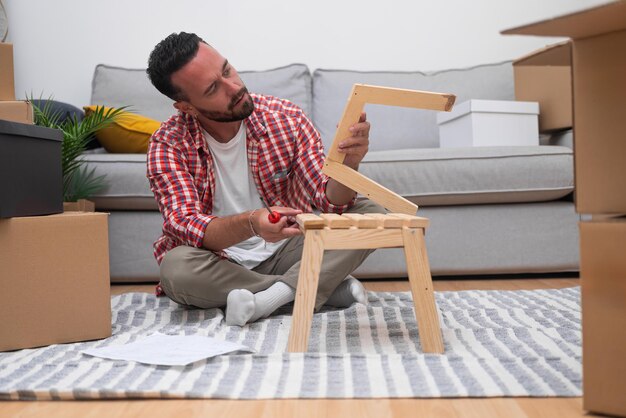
(427, 176)
(474, 175)
(127, 186)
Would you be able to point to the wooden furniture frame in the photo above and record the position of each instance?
(369, 231)
(359, 231)
(362, 94)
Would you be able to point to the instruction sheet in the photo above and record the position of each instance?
(168, 350)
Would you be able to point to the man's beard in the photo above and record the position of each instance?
(247, 107)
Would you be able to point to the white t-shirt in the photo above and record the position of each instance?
(236, 192)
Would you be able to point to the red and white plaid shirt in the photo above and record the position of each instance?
(285, 156)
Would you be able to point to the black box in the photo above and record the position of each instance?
(30, 170)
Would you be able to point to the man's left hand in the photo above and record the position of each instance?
(356, 146)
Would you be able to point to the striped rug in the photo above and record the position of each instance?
(498, 343)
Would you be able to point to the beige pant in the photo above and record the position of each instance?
(197, 277)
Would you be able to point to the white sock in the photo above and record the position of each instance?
(243, 306)
(349, 291)
(239, 307)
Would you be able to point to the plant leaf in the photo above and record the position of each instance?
(83, 184)
(78, 182)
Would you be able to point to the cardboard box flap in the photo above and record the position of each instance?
(558, 55)
(583, 24)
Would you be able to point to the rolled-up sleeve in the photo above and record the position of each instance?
(176, 195)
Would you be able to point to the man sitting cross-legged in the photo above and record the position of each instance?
(213, 164)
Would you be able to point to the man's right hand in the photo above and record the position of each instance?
(273, 232)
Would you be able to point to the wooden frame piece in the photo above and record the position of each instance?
(362, 94)
(393, 231)
(368, 188)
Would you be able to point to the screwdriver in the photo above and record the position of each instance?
(273, 217)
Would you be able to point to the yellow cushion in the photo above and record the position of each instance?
(129, 133)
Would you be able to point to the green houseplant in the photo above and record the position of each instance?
(79, 182)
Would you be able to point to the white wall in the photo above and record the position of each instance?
(57, 43)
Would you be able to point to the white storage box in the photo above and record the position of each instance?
(489, 123)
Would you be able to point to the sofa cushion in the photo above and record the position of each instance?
(128, 133)
(116, 87)
(127, 186)
(427, 177)
(474, 175)
(401, 128)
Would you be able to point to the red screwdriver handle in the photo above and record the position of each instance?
(273, 217)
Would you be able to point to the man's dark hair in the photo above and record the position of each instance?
(169, 56)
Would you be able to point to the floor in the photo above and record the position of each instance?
(477, 407)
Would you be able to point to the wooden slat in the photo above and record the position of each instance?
(306, 292)
(369, 188)
(416, 99)
(355, 239)
(362, 221)
(310, 221)
(351, 114)
(387, 221)
(336, 221)
(422, 290)
(362, 94)
(411, 221)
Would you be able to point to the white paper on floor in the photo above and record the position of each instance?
(168, 350)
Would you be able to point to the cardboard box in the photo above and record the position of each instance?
(599, 86)
(54, 279)
(81, 205)
(17, 111)
(545, 76)
(489, 123)
(31, 180)
(7, 83)
(603, 277)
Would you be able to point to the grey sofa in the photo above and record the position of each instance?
(493, 210)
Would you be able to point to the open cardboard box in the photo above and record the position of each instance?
(599, 110)
(545, 76)
(54, 279)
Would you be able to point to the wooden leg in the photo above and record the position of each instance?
(306, 292)
(422, 290)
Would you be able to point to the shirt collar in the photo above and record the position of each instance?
(254, 124)
(195, 130)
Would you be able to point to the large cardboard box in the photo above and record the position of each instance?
(7, 83)
(603, 276)
(54, 277)
(599, 85)
(545, 76)
(31, 180)
(480, 123)
(17, 111)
